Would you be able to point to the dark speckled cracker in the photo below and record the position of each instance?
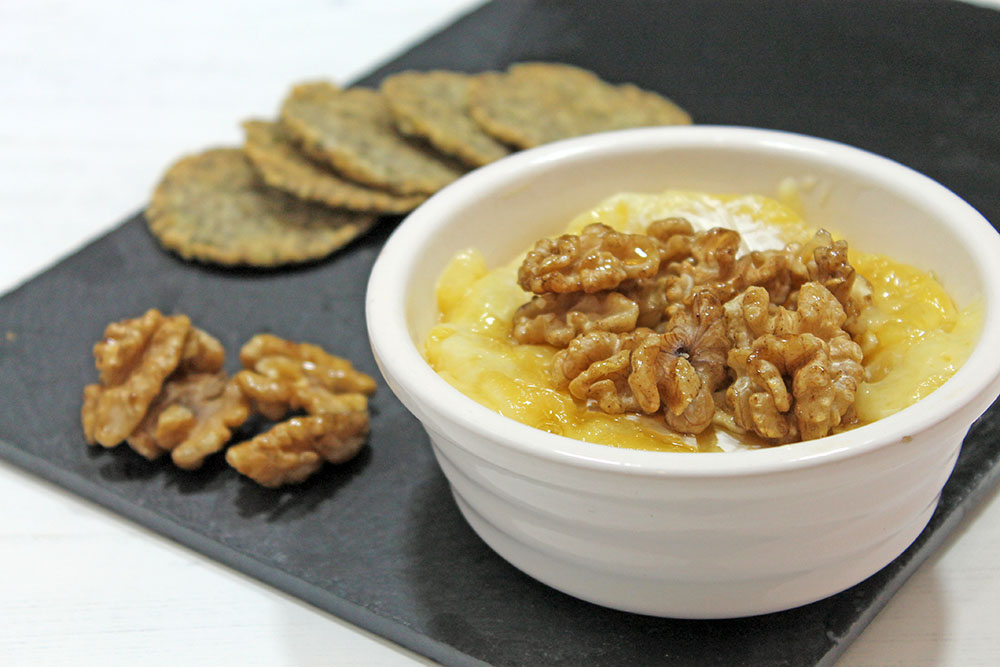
(535, 103)
(282, 166)
(212, 207)
(353, 131)
(435, 107)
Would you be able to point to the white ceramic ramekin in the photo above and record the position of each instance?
(690, 535)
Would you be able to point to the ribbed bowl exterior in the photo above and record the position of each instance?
(698, 548)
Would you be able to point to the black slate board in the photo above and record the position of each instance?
(379, 540)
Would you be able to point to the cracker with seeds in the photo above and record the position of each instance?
(353, 131)
(282, 166)
(535, 103)
(435, 107)
(212, 207)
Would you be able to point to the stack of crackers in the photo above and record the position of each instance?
(305, 185)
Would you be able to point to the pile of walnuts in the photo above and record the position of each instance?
(679, 323)
(162, 389)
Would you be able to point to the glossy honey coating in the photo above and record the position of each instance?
(135, 357)
(281, 377)
(162, 390)
(293, 450)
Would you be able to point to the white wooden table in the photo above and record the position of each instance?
(95, 100)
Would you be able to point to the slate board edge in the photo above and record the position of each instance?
(318, 597)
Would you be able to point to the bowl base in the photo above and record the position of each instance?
(690, 600)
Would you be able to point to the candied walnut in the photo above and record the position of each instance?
(162, 390)
(712, 264)
(783, 272)
(595, 366)
(642, 371)
(653, 296)
(558, 318)
(192, 418)
(774, 270)
(796, 264)
(819, 312)
(674, 235)
(700, 335)
(797, 372)
(671, 379)
(759, 398)
(600, 258)
(134, 358)
(293, 450)
(203, 353)
(824, 380)
(715, 250)
(823, 260)
(751, 314)
(680, 368)
(708, 263)
(834, 272)
(282, 375)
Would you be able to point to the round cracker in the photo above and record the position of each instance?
(212, 207)
(352, 130)
(434, 106)
(283, 167)
(535, 103)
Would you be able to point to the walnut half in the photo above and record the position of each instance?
(192, 418)
(600, 258)
(797, 372)
(134, 359)
(291, 451)
(282, 376)
(680, 368)
(557, 319)
(162, 389)
(645, 371)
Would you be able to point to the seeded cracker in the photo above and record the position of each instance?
(535, 103)
(353, 131)
(283, 167)
(212, 207)
(435, 106)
